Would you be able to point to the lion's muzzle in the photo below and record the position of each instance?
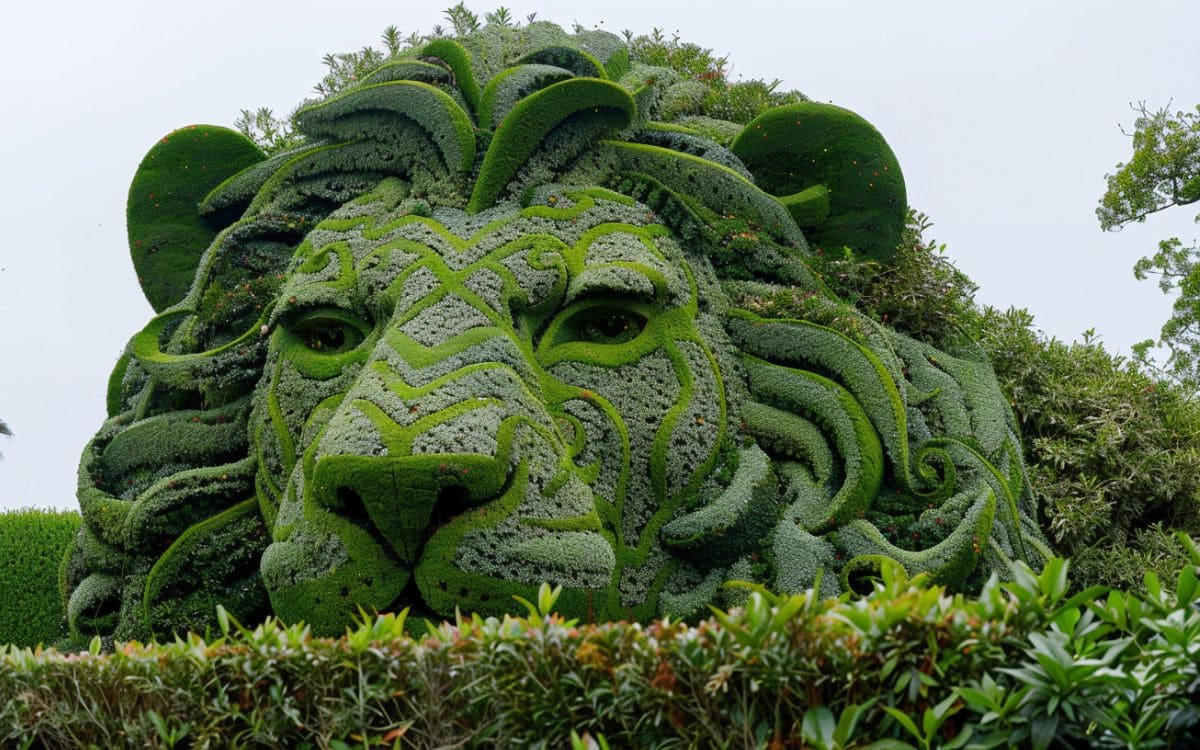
(401, 501)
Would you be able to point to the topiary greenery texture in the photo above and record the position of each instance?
(493, 322)
(33, 544)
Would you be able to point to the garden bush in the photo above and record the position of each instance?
(1114, 452)
(1020, 665)
(33, 544)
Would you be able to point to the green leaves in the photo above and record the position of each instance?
(905, 667)
(546, 597)
(1108, 448)
(821, 729)
(932, 720)
(1163, 171)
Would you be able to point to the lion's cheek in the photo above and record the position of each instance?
(320, 575)
(699, 426)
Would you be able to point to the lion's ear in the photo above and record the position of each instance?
(167, 234)
(833, 171)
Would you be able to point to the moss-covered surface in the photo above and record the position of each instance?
(487, 326)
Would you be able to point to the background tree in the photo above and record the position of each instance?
(1163, 172)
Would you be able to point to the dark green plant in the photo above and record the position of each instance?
(919, 291)
(1114, 454)
(834, 173)
(1110, 446)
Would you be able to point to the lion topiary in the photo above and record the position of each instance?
(490, 325)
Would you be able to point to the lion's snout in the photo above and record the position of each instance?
(401, 501)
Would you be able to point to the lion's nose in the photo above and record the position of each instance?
(401, 501)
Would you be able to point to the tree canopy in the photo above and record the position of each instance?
(1163, 172)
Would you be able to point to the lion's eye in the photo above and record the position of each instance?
(605, 324)
(326, 335)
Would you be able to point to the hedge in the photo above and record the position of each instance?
(795, 148)
(32, 546)
(1020, 665)
(531, 120)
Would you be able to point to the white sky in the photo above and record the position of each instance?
(1004, 117)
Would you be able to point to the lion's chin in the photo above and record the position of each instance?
(367, 579)
(328, 598)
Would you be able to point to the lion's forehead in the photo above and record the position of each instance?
(390, 262)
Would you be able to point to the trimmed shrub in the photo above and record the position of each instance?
(33, 544)
(505, 90)
(1021, 665)
(792, 149)
(1111, 449)
(167, 234)
(525, 128)
(455, 57)
(428, 106)
(575, 59)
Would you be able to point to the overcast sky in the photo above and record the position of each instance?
(1004, 117)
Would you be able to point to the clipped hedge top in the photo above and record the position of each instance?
(906, 661)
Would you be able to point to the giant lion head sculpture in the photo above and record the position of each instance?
(489, 327)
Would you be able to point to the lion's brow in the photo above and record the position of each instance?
(619, 279)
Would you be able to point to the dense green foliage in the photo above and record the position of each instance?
(1163, 172)
(401, 373)
(700, 93)
(835, 173)
(32, 546)
(705, 90)
(919, 291)
(1114, 453)
(1020, 665)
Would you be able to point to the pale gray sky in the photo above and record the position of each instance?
(1003, 115)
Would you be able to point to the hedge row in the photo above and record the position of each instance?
(1019, 666)
(32, 546)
